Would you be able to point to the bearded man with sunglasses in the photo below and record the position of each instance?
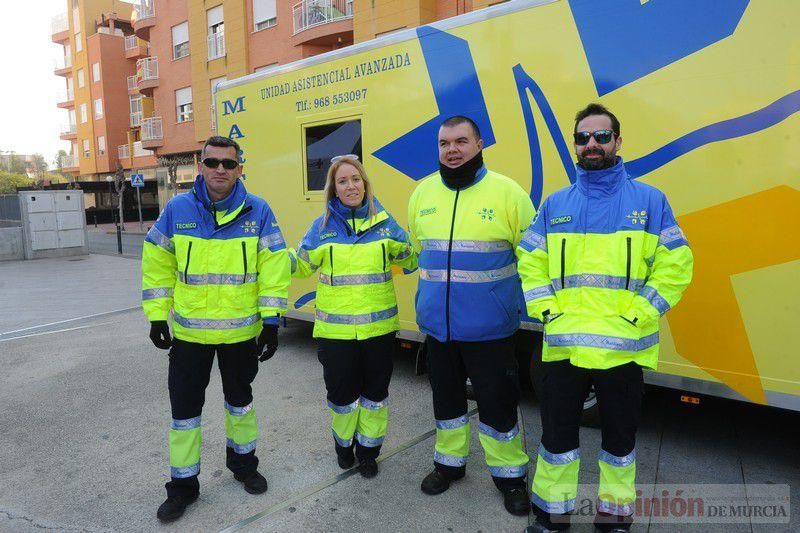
(600, 264)
(216, 260)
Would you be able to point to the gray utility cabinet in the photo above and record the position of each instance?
(53, 223)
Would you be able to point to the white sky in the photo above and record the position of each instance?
(30, 122)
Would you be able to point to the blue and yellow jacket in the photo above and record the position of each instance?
(604, 259)
(469, 289)
(353, 253)
(221, 268)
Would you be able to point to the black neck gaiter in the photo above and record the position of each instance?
(460, 177)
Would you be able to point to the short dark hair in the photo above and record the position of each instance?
(461, 119)
(597, 109)
(221, 142)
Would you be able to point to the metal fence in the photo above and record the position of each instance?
(9, 211)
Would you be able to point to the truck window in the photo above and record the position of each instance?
(325, 142)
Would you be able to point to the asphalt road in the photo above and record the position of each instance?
(106, 244)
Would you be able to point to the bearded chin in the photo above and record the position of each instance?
(598, 164)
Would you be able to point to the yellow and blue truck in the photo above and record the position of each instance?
(708, 94)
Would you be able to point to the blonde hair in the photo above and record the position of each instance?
(330, 187)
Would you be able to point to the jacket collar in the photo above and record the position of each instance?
(342, 214)
(479, 175)
(600, 183)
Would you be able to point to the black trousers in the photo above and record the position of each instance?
(189, 373)
(356, 368)
(492, 369)
(563, 390)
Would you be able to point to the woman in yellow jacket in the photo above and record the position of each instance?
(353, 245)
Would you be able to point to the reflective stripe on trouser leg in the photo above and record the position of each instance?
(452, 441)
(555, 484)
(185, 438)
(504, 454)
(373, 420)
(616, 493)
(241, 427)
(344, 419)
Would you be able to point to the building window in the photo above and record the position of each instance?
(71, 115)
(78, 42)
(101, 145)
(95, 72)
(70, 89)
(327, 141)
(84, 114)
(98, 108)
(180, 40)
(216, 33)
(81, 80)
(264, 14)
(86, 151)
(136, 110)
(183, 104)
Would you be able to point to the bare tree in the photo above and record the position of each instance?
(119, 186)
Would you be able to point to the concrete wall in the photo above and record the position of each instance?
(11, 247)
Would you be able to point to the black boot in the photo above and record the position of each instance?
(516, 501)
(538, 527)
(368, 468)
(254, 483)
(174, 507)
(437, 482)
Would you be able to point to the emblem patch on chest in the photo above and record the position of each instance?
(185, 225)
(486, 214)
(637, 217)
(427, 211)
(560, 220)
(327, 235)
(250, 226)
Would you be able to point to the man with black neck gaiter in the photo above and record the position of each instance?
(465, 224)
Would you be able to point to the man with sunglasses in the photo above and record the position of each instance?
(602, 261)
(216, 261)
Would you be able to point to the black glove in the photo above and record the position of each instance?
(267, 343)
(159, 334)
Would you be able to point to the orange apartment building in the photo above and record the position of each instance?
(139, 76)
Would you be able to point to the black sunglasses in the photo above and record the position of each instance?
(227, 164)
(601, 136)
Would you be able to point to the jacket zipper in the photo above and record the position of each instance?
(330, 254)
(628, 266)
(449, 258)
(244, 260)
(353, 218)
(383, 255)
(186, 268)
(563, 261)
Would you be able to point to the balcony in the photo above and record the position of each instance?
(65, 100)
(124, 153)
(323, 22)
(216, 45)
(69, 162)
(135, 47)
(144, 18)
(59, 28)
(147, 75)
(133, 85)
(152, 133)
(68, 132)
(63, 66)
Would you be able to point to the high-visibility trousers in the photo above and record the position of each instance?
(492, 369)
(189, 373)
(357, 375)
(562, 392)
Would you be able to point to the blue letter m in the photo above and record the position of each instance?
(237, 106)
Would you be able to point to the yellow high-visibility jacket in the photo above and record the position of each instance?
(221, 268)
(355, 295)
(602, 261)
